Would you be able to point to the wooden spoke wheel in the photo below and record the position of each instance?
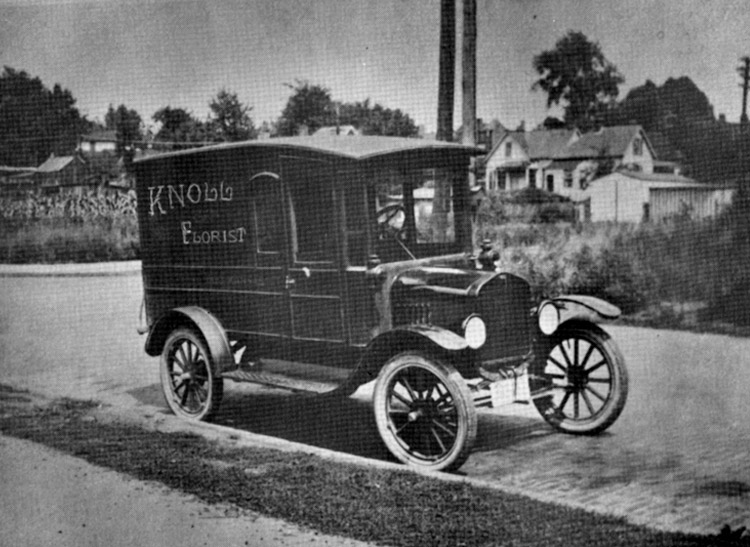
(188, 376)
(583, 378)
(424, 412)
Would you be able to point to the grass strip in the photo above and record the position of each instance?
(375, 505)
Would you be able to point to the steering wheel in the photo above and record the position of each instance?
(385, 217)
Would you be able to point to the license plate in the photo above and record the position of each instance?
(510, 390)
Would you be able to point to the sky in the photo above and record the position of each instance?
(147, 54)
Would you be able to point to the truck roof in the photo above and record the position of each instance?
(352, 147)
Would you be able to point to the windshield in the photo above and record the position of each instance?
(417, 213)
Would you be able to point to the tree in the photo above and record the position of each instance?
(377, 119)
(577, 75)
(230, 118)
(179, 126)
(310, 106)
(36, 121)
(127, 124)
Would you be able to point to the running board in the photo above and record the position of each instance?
(292, 376)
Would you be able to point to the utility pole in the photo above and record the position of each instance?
(447, 69)
(469, 74)
(744, 72)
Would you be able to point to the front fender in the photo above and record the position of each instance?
(419, 338)
(589, 308)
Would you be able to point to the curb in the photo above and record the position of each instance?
(130, 267)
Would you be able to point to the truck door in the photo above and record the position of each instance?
(314, 275)
(264, 309)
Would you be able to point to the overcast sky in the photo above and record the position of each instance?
(150, 54)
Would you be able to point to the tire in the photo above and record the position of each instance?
(424, 412)
(584, 374)
(188, 376)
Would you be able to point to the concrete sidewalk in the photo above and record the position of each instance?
(129, 267)
(50, 498)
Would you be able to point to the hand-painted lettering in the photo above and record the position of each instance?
(180, 196)
(210, 237)
(154, 199)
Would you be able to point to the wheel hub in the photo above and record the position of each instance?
(577, 378)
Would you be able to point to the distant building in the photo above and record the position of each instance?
(98, 142)
(16, 180)
(632, 196)
(347, 130)
(58, 173)
(563, 161)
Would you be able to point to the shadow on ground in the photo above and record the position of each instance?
(340, 424)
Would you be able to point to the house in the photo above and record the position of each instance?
(348, 130)
(16, 181)
(98, 141)
(563, 161)
(636, 196)
(60, 172)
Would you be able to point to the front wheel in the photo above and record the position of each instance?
(579, 381)
(188, 378)
(424, 412)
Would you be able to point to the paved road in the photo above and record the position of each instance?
(676, 459)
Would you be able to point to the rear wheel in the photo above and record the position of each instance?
(424, 412)
(188, 376)
(583, 379)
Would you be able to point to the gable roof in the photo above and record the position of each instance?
(607, 141)
(540, 144)
(569, 144)
(55, 164)
(348, 130)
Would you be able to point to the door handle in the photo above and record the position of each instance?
(289, 282)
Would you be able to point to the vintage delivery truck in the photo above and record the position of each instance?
(323, 263)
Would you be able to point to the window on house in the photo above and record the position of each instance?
(568, 183)
(637, 147)
(550, 183)
(508, 149)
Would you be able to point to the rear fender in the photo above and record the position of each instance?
(203, 322)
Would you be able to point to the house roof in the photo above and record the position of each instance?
(7, 170)
(352, 147)
(348, 130)
(567, 144)
(655, 177)
(607, 141)
(55, 164)
(547, 144)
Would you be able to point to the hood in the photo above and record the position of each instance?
(445, 280)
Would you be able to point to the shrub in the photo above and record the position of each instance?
(90, 227)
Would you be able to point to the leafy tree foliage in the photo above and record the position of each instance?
(678, 111)
(312, 106)
(180, 126)
(230, 119)
(377, 120)
(36, 121)
(126, 123)
(577, 75)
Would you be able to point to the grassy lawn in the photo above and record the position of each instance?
(375, 505)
